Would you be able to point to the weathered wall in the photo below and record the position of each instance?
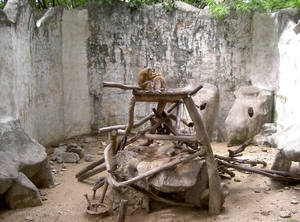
(51, 78)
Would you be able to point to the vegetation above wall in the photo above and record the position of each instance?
(219, 8)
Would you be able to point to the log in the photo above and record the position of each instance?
(233, 159)
(89, 202)
(91, 173)
(137, 124)
(212, 169)
(119, 85)
(274, 175)
(122, 211)
(99, 183)
(233, 153)
(104, 191)
(89, 167)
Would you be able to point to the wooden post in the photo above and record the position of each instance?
(122, 212)
(131, 115)
(212, 169)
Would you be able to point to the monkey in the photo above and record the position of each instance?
(145, 77)
(159, 83)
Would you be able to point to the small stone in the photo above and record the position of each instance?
(43, 193)
(30, 217)
(267, 188)
(223, 217)
(88, 158)
(237, 180)
(64, 166)
(285, 214)
(54, 171)
(90, 140)
(100, 153)
(44, 198)
(286, 188)
(294, 202)
(103, 143)
(256, 191)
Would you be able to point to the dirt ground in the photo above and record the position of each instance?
(250, 197)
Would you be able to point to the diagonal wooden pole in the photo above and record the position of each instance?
(212, 168)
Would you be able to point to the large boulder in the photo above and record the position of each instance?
(187, 182)
(207, 101)
(23, 167)
(250, 110)
(287, 142)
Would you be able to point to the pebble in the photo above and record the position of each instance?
(294, 202)
(30, 217)
(223, 217)
(88, 158)
(237, 180)
(90, 140)
(285, 214)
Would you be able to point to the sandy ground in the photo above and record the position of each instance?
(250, 198)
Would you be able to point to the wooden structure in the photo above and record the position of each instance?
(161, 117)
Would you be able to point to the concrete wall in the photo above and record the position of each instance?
(52, 67)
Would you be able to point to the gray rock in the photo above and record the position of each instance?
(287, 142)
(251, 109)
(88, 158)
(264, 138)
(68, 157)
(173, 180)
(207, 100)
(57, 151)
(90, 140)
(78, 149)
(23, 166)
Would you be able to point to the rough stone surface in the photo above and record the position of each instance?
(23, 167)
(251, 109)
(207, 102)
(188, 181)
(265, 135)
(52, 66)
(287, 142)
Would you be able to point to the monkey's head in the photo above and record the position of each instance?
(149, 70)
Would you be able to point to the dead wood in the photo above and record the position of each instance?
(150, 194)
(233, 153)
(88, 200)
(167, 166)
(104, 191)
(195, 90)
(119, 85)
(122, 211)
(212, 169)
(138, 123)
(277, 175)
(91, 173)
(89, 167)
(245, 161)
(99, 183)
(225, 170)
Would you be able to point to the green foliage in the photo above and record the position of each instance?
(220, 8)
